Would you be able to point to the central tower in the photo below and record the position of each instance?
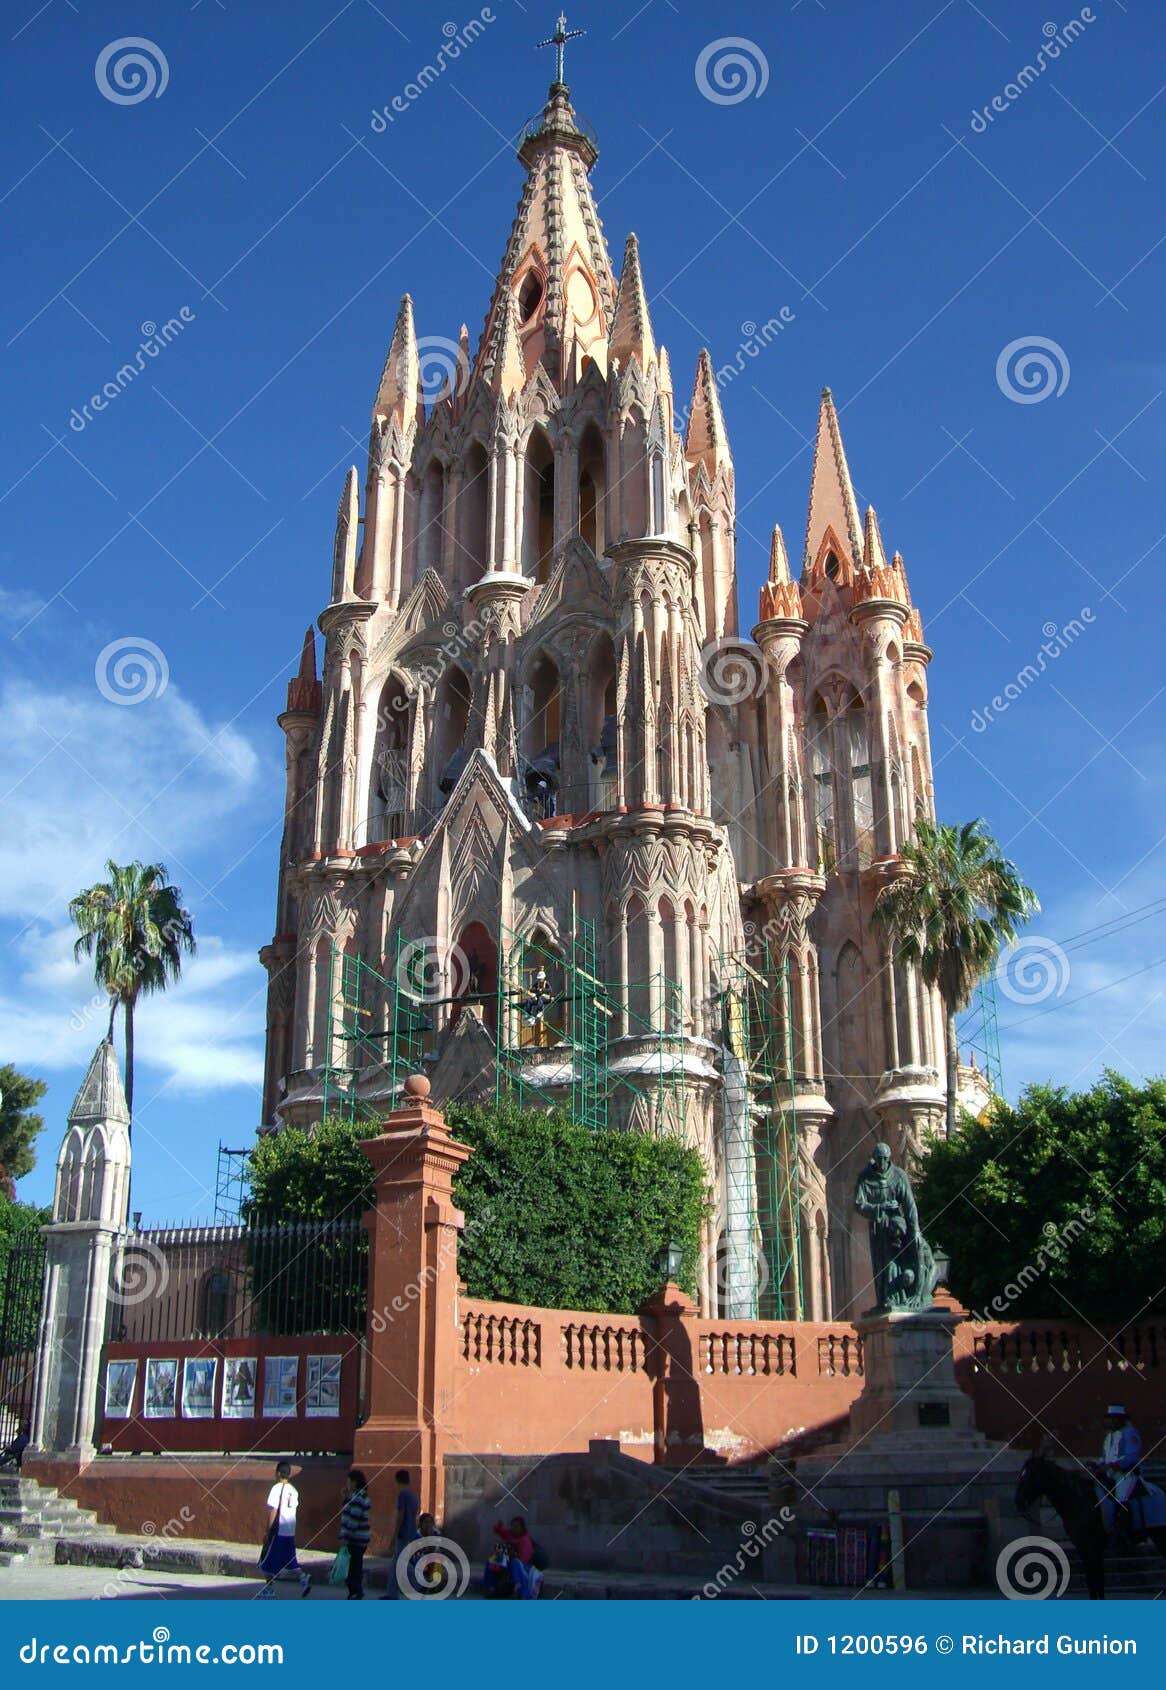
(522, 829)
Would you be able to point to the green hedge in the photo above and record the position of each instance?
(556, 1215)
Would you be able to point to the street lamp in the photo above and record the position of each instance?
(670, 1261)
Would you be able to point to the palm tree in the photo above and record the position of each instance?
(959, 900)
(134, 927)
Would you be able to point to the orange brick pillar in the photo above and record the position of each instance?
(412, 1308)
(677, 1416)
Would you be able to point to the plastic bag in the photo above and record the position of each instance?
(338, 1571)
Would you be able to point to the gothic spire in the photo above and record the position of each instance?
(508, 376)
(347, 535)
(556, 265)
(101, 1097)
(706, 440)
(833, 507)
(303, 691)
(778, 560)
(307, 669)
(399, 393)
(631, 327)
(779, 595)
(873, 555)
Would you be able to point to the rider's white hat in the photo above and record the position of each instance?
(1116, 1408)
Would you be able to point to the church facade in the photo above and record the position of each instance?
(550, 814)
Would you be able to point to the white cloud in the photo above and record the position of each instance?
(205, 1033)
(18, 607)
(82, 780)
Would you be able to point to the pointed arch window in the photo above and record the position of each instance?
(542, 705)
(387, 798)
(472, 557)
(659, 522)
(822, 780)
(530, 296)
(861, 787)
(430, 517)
(452, 715)
(538, 508)
(591, 489)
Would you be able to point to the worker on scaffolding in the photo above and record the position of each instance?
(535, 1003)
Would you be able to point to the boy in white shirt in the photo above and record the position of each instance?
(279, 1544)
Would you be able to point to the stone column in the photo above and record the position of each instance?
(412, 1300)
(89, 1213)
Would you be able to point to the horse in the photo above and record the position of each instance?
(1073, 1494)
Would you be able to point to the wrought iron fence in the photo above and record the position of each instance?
(21, 1291)
(273, 1279)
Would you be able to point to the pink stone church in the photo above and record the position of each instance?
(553, 818)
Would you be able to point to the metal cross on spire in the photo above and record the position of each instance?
(559, 41)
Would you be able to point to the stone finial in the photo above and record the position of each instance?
(706, 440)
(102, 1096)
(417, 1088)
(304, 692)
(399, 394)
(778, 560)
(347, 538)
(631, 327)
(873, 555)
(779, 595)
(510, 369)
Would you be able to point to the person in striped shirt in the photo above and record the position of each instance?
(354, 1531)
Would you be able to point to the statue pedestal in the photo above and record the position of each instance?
(912, 1431)
(909, 1388)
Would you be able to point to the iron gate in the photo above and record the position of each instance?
(21, 1293)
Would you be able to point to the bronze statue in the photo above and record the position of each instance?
(904, 1268)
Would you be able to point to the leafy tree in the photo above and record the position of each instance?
(956, 902)
(19, 1125)
(556, 1215)
(134, 927)
(1056, 1207)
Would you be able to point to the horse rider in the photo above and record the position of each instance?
(1121, 1466)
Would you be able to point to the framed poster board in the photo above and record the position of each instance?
(239, 1376)
(322, 1397)
(161, 1389)
(121, 1381)
(280, 1379)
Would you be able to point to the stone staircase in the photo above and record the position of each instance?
(746, 1486)
(33, 1518)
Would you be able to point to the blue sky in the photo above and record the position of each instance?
(251, 199)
